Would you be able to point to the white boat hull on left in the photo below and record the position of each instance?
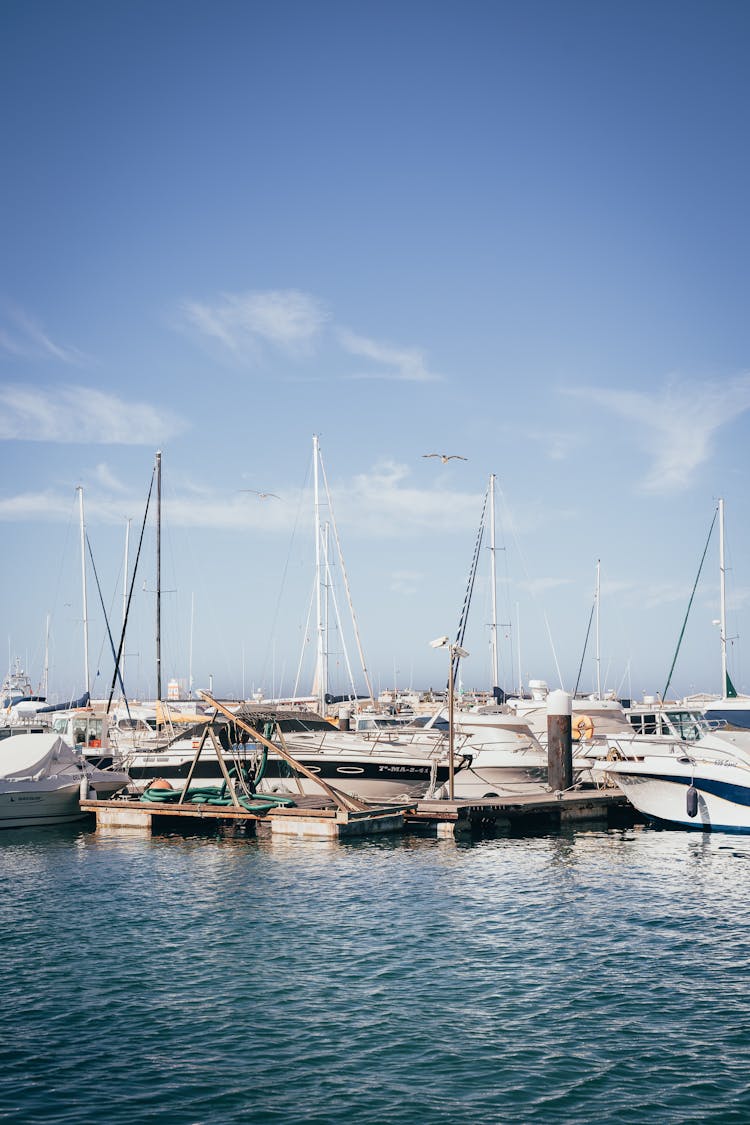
(28, 804)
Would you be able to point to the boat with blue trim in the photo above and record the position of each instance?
(710, 792)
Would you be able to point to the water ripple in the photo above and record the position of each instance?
(581, 977)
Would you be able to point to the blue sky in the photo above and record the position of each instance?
(513, 231)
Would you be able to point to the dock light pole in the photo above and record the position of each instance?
(454, 650)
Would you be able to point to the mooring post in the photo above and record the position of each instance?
(559, 741)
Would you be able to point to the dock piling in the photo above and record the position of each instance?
(559, 741)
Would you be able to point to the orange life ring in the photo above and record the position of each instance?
(582, 727)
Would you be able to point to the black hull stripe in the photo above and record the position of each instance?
(276, 771)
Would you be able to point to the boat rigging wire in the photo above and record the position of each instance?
(464, 616)
(585, 645)
(106, 622)
(118, 658)
(687, 614)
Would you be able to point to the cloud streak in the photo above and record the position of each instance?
(24, 338)
(400, 364)
(245, 326)
(82, 415)
(677, 425)
(243, 323)
(380, 504)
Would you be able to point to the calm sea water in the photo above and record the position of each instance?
(587, 977)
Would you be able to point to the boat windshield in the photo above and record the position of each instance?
(687, 725)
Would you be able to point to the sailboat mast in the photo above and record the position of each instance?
(598, 652)
(518, 648)
(723, 602)
(190, 652)
(84, 595)
(46, 659)
(493, 585)
(158, 575)
(320, 668)
(125, 593)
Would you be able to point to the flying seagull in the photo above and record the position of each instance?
(445, 457)
(261, 495)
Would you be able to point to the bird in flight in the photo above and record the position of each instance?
(261, 495)
(445, 457)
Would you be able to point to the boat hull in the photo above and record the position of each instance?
(27, 804)
(367, 776)
(660, 792)
(476, 781)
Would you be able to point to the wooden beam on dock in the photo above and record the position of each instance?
(343, 800)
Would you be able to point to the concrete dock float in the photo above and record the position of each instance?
(319, 817)
(529, 812)
(310, 817)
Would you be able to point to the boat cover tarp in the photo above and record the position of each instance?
(70, 706)
(35, 755)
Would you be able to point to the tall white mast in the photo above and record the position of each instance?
(598, 653)
(84, 596)
(190, 652)
(158, 575)
(347, 587)
(723, 603)
(493, 584)
(321, 672)
(46, 659)
(518, 648)
(125, 595)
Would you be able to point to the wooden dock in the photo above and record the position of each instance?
(320, 816)
(530, 812)
(310, 816)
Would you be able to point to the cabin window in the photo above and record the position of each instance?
(649, 724)
(636, 724)
(59, 726)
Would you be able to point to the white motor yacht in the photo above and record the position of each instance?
(42, 781)
(691, 790)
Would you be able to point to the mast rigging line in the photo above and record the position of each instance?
(106, 622)
(464, 617)
(690, 603)
(130, 592)
(585, 646)
(345, 576)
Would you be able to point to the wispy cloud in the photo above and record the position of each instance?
(245, 325)
(243, 322)
(24, 338)
(677, 424)
(380, 504)
(383, 503)
(47, 506)
(107, 479)
(406, 582)
(76, 414)
(539, 586)
(401, 364)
